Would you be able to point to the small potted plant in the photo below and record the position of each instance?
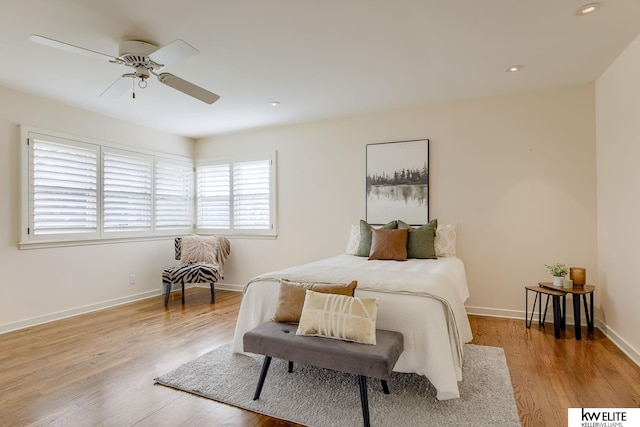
(558, 271)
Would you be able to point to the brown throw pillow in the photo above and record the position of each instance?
(291, 297)
(389, 244)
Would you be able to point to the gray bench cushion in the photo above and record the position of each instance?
(280, 340)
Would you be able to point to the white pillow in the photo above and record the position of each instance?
(445, 241)
(339, 316)
(354, 240)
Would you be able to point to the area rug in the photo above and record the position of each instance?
(320, 397)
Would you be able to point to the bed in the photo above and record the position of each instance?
(421, 298)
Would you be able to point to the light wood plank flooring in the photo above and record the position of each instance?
(98, 369)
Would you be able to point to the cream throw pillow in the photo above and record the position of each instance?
(354, 240)
(340, 317)
(199, 249)
(445, 241)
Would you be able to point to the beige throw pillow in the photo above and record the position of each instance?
(292, 294)
(198, 249)
(339, 317)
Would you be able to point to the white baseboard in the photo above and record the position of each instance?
(38, 320)
(623, 345)
(519, 314)
(226, 287)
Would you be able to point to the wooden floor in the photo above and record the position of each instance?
(98, 369)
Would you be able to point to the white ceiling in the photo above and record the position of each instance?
(320, 59)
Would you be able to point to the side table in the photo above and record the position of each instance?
(577, 294)
(558, 312)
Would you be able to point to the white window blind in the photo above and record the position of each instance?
(63, 190)
(214, 196)
(76, 189)
(127, 191)
(251, 188)
(237, 196)
(174, 195)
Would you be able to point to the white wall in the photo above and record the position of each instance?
(40, 284)
(517, 173)
(618, 151)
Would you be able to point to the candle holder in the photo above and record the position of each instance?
(578, 275)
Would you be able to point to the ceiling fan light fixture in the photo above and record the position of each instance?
(142, 73)
(515, 68)
(587, 9)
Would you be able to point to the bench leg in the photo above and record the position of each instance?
(385, 387)
(290, 367)
(263, 375)
(213, 295)
(362, 380)
(182, 293)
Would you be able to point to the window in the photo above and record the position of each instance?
(84, 190)
(236, 196)
(63, 183)
(127, 192)
(174, 195)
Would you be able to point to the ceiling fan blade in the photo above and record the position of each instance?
(119, 87)
(188, 88)
(68, 47)
(173, 52)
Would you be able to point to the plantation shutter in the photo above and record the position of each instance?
(63, 190)
(127, 183)
(174, 195)
(213, 200)
(251, 189)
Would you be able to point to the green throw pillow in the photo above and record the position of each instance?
(365, 236)
(420, 243)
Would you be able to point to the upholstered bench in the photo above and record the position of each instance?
(279, 340)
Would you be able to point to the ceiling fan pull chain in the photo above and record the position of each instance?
(133, 93)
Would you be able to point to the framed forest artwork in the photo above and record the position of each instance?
(398, 182)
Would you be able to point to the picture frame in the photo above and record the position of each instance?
(397, 182)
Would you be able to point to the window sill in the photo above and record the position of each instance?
(88, 242)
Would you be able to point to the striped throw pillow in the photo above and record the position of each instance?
(339, 316)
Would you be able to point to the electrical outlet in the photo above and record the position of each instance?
(132, 279)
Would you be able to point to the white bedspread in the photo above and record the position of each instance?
(422, 299)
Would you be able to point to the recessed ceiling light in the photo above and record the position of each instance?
(515, 68)
(274, 103)
(587, 9)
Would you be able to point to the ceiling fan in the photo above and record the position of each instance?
(145, 59)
